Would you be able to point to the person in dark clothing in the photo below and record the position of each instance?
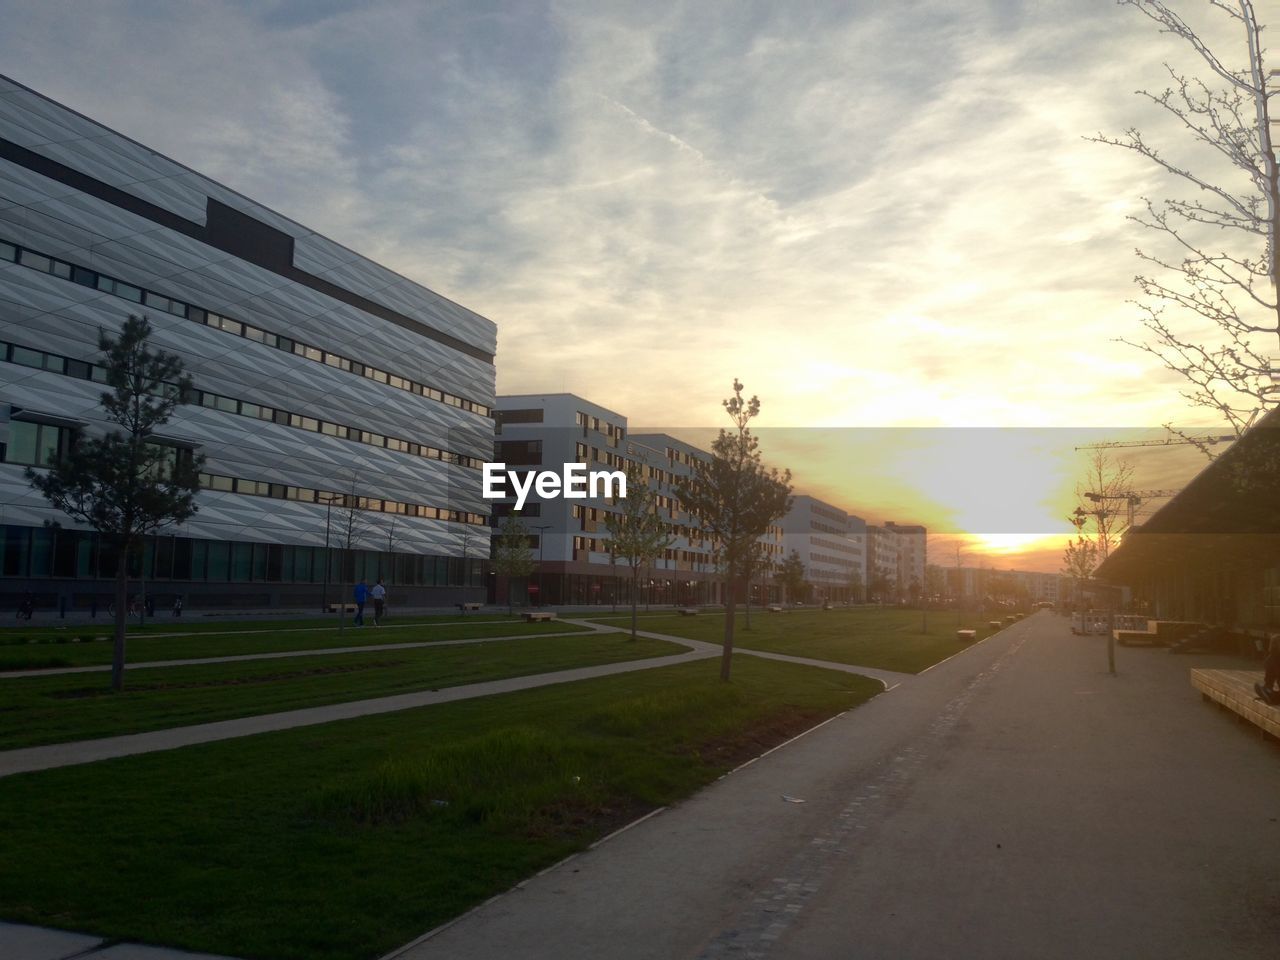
(361, 597)
(1269, 688)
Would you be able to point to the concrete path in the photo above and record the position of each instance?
(46, 757)
(36, 943)
(1012, 802)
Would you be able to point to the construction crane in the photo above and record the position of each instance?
(1132, 498)
(1167, 442)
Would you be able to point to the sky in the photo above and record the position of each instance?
(881, 214)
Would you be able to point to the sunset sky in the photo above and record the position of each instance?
(876, 214)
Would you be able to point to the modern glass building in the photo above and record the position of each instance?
(342, 409)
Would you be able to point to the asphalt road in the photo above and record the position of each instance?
(1013, 802)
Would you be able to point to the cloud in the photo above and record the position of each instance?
(874, 214)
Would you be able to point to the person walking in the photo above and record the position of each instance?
(1269, 689)
(361, 598)
(379, 595)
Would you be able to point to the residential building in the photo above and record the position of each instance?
(912, 556)
(570, 538)
(828, 542)
(324, 382)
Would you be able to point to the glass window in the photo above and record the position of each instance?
(61, 269)
(253, 333)
(157, 301)
(226, 404)
(219, 559)
(24, 439)
(311, 353)
(128, 291)
(79, 369)
(35, 261)
(8, 251)
(27, 357)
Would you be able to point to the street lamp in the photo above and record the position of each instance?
(542, 542)
(328, 499)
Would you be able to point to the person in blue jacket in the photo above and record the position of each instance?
(362, 597)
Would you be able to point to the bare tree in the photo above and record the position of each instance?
(735, 498)
(638, 533)
(349, 529)
(1216, 269)
(1103, 495)
(512, 556)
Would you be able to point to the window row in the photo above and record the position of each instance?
(40, 360)
(612, 431)
(78, 554)
(13, 253)
(284, 491)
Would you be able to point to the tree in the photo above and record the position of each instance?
(350, 529)
(638, 534)
(125, 484)
(1219, 272)
(512, 556)
(791, 576)
(735, 498)
(1104, 495)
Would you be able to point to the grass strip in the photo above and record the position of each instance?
(343, 841)
(94, 648)
(885, 638)
(57, 709)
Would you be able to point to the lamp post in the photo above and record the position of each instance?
(328, 499)
(542, 541)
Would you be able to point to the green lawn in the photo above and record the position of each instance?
(890, 639)
(77, 647)
(343, 841)
(81, 706)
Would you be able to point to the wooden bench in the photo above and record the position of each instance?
(538, 616)
(688, 611)
(347, 607)
(471, 605)
(967, 635)
(1233, 690)
(774, 608)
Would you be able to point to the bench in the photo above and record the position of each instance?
(1233, 690)
(688, 611)
(774, 608)
(470, 605)
(538, 616)
(967, 635)
(994, 624)
(345, 607)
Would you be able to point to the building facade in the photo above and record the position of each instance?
(343, 411)
(829, 543)
(570, 538)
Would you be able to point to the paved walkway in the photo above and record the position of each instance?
(46, 757)
(36, 943)
(1012, 802)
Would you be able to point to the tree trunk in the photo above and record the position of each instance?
(748, 606)
(726, 654)
(635, 585)
(122, 616)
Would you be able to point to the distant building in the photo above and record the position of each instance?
(912, 551)
(832, 552)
